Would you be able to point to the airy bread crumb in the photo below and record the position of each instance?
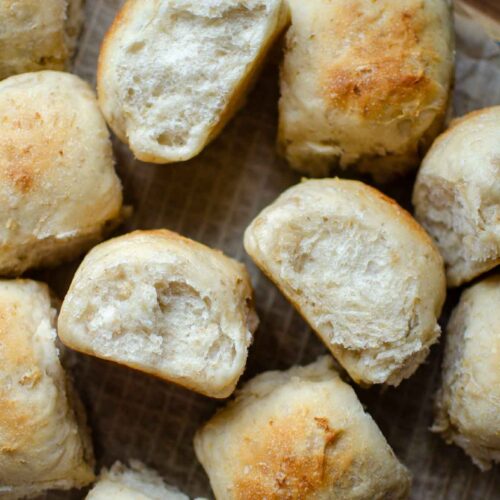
(457, 195)
(136, 482)
(360, 270)
(166, 305)
(172, 73)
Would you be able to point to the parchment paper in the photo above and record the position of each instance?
(212, 198)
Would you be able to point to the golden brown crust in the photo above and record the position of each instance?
(289, 475)
(44, 139)
(117, 22)
(385, 71)
(296, 435)
(103, 54)
(58, 187)
(16, 421)
(364, 84)
(44, 441)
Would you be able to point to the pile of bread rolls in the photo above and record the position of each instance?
(365, 89)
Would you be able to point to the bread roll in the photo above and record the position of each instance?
(360, 270)
(59, 190)
(299, 434)
(44, 442)
(172, 73)
(37, 35)
(134, 483)
(364, 84)
(165, 305)
(468, 403)
(457, 195)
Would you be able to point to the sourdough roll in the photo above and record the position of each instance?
(173, 72)
(364, 84)
(59, 190)
(468, 402)
(165, 305)
(457, 195)
(299, 434)
(359, 269)
(136, 482)
(44, 441)
(36, 35)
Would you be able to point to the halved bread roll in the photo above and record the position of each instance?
(299, 434)
(37, 35)
(360, 270)
(44, 441)
(165, 305)
(59, 190)
(172, 73)
(136, 482)
(457, 195)
(365, 84)
(468, 403)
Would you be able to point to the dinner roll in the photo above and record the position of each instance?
(360, 270)
(36, 35)
(299, 434)
(165, 305)
(364, 83)
(468, 403)
(173, 72)
(457, 195)
(44, 441)
(136, 482)
(59, 190)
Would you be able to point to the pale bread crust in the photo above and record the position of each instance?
(161, 125)
(360, 270)
(364, 85)
(296, 434)
(59, 190)
(457, 195)
(37, 35)
(166, 305)
(44, 441)
(468, 403)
